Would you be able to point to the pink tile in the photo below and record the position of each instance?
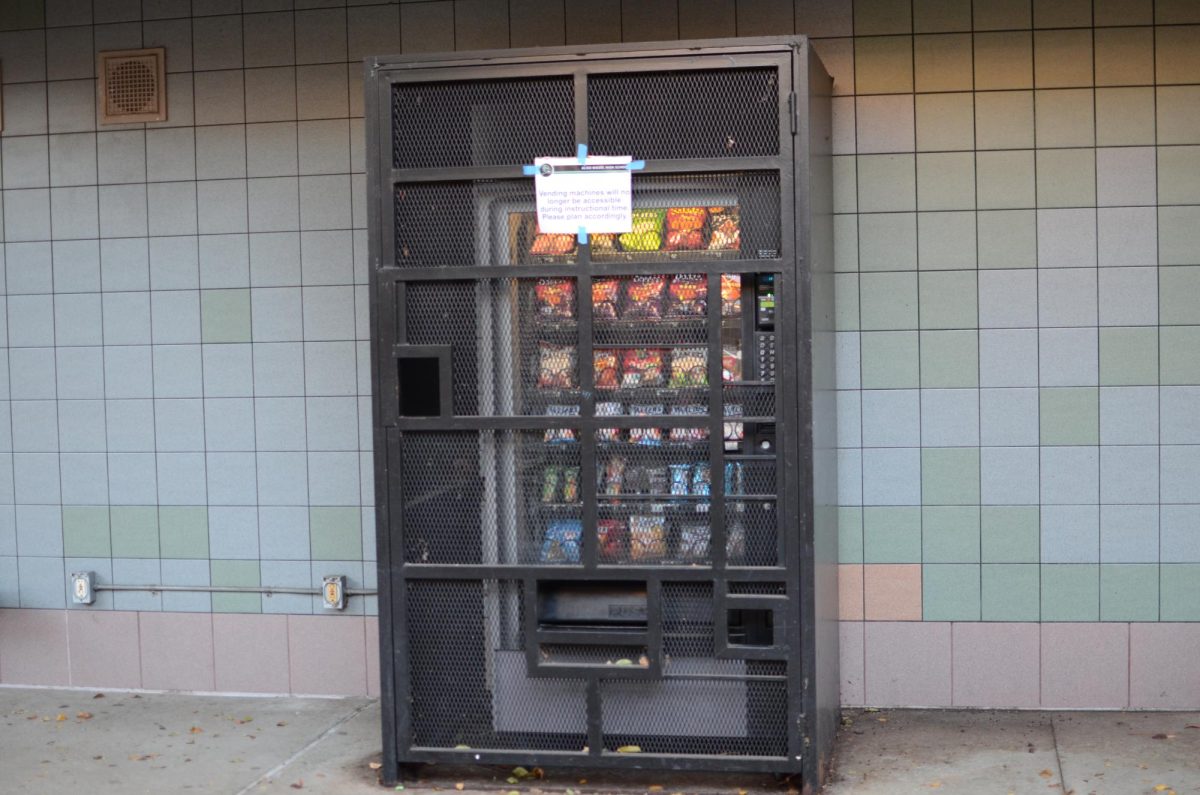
(996, 665)
(1085, 665)
(1164, 666)
(33, 647)
(892, 591)
(850, 592)
(317, 672)
(177, 651)
(907, 664)
(850, 663)
(104, 648)
(372, 630)
(250, 653)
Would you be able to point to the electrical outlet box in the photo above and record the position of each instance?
(83, 587)
(333, 592)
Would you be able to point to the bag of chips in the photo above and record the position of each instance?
(731, 363)
(612, 535)
(657, 480)
(605, 293)
(726, 234)
(603, 244)
(614, 476)
(550, 483)
(731, 294)
(642, 367)
(735, 478)
(561, 544)
(681, 478)
(701, 480)
(570, 488)
(694, 538)
(556, 366)
(555, 298)
(646, 231)
(608, 408)
(734, 431)
(560, 435)
(688, 295)
(552, 245)
(644, 297)
(647, 537)
(689, 367)
(651, 437)
(688, 434)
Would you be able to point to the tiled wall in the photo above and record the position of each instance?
(1018, 199)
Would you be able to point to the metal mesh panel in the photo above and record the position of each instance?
(757, 588)
(482, 122)
(702, 113)
(461, 223)
(752, 533)
(468, 683)
(749, 400)
(514, 342)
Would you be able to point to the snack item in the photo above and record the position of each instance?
(689, 240)
(656, 480)
(637, 480)
(731, 294)
(608, 409)
(614, 476)
(701, 480)
(680, 479)
(561, 543)
(549, 483)
(560, 435)
(688, 295)
(693, 541)
(613, 536)
(570, 487)
(685, 228)
(647, 537)
(689, 367)
(644, 297)
(603, 243)
(726, 232)
(605, 292)
(688, 434)
(552, 245)
(651, 437)
(735, 478)
(605, 367)
(556, 366)
(731, 363)
(555, 298)
(734, 431)
(642, 367)
(646, 231)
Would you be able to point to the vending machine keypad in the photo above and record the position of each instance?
(766, 355)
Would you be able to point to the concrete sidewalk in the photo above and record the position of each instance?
(85, 741)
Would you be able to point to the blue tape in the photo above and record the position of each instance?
(529, 171)
(581, 153)
(637, 165)
(582, 235)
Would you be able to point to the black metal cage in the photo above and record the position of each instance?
(605, 470)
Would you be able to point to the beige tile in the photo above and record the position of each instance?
(886, 183)
(885, 123)
(1085, 665)
(887, 242)
(1177, 54)
(907, 662)
(1123, 12)
(1124, 56)
(883, 65)
(946, 181)
(314, 671)
(1179, 175)
(1004, 120)
(177, 651)
(838, 57)
(844, 124)
(1003, 60)
(1164, 665)
(1066, 178)
(1065, 117)
(1006, 179)
(945, 122)
(875, 17)
(1008, 239)
(1178, 235)
(822, 18)
(845, 184)
(1062, 13)
(34, 651)
(250, 652)
(845, 243)
(1176, 12)
(1002, 15)
(943, 62)
(946, 240)
(996, 664)
(1062, 58)
(373, 659)
(1178, 115)
(1124, 116)
(941, 16)
(104, 649)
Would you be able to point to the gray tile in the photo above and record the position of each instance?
(8, 530)
(27, 212)
(283, 532)
(1066, 238)
(227, 370)
(76, 265)
(233, 533)
(128, 372)
(174, 263)
(325, 203)
(1008, 298)
(84, 478)
(1128, 236)
(1070, 533)
(283, 478)
(1066, 297)
(1129, 533)
(270, 94)
(132, 479)
(179, 425)
(81, 426)
(176, 316)
(270, 39)
(130, 426)
(10, 595)
(73, 159)
(1070, 476)
(224, 261)
(891, 476)
(286, 574)
(891, 417)
(125, 264)
(1180, 407)
(229, 424)
(1009, 416)
(279, 369)
(41, 582)
(78, 319)
(122, 210)
(1180, 533)
(172, 208)
(30, 320)
(329, 368)
(1128, 474)
(1130, 414)
(280, 424)
(328, 313)
(121, 156)
(333, 478)
(217, 42)
(126, 318)
(31, 373)
(220, 98)
(36, 478)
(324, 146)
(321, 35)
(181, 478)
(221, 206)
(7, 492)
(1128, 296)
(1180, 473)
(276, 314)
(28, 161)
(39, 531)
(171, 153)
(327, 257)
(275, 259)
(74, 213)
(136, 570)
(332, 423)
(34, 426)
(1068, 356)
(950, 417)
(231, 479)
(322, 92)
(274, 204)
(1009, 475)
(1008, 358)
(177, 371)
(29, 269)
(176, 571)
(26, 107)
(848, 360)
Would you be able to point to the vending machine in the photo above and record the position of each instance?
(605, 464)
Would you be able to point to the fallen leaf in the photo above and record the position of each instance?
(1192, 726)
(460, 786)
(298, 785)
(31, 717)
(882, 720)
(281, 723)
(461, 747)
(244, 720)
(935, 784)
(195, 730)
(1160, 787)
(655, 787)
(520, 772)
(98, 695)
(512, 780)
(742, 792)
(60, 717)
(375, 765)
(83, 715)
(629, 749)
(537, 772)
(1159, 736)
(1046, 774)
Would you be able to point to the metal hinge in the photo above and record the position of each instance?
(793, 111)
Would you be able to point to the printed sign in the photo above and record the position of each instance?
(595, 195)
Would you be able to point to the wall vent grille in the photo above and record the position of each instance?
(133, 86)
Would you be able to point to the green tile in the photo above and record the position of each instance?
(949, 300)
(85, 531)
(135, 531)
(336, 533)
(1011, 592)
(1178, 296)
(225, 315)
(1010, 534)
(888, 301)
(950, 534)
(892, 534)
(950, 591)
(845, 291)
(1179, 355)
(1129, 592)
(1128, 356)
(950, 476)
(183, 531)
(949, 359)
(1180, 591)
(1070, 415)
(1070, 592)
(236, 572)
(889, 360)
(850, 535)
